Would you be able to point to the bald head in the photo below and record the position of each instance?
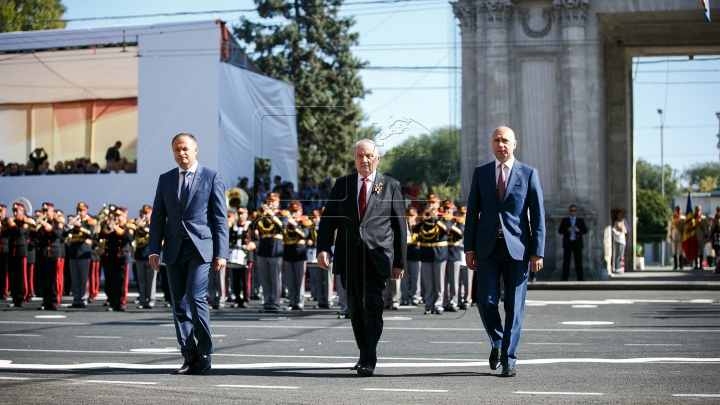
(503, 143)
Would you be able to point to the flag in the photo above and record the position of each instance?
(706, 4)
(689, 241)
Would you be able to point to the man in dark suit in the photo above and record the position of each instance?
(504, 236)
(365, 220)
(113, 153)
(190, 215)
(572, 229)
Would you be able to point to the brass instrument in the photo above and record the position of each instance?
(41, 218)
(103, 213)
(102, 245)
(236, 197)
(428, 214)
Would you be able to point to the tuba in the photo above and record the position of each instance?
(236, 197)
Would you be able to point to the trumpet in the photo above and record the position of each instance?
(103, 213)
(39, 223)
(267, 210)
(428, 214)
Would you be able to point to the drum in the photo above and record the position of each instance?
(238, 256)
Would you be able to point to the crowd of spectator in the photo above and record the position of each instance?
(38, 164)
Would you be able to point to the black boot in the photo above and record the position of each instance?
(675, 262)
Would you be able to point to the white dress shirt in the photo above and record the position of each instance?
(368, 186)
(191, 176)
(508, 169)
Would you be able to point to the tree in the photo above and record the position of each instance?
(699, 171)
(707, 184)
(432, 160)
(311, 49)
(648, 178)
(653, 213)
(29, 15)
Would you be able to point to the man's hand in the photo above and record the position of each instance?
(219, 264)
(155, 262)
(536, 263)
(470, 260)
(323, 260)
(397, 273)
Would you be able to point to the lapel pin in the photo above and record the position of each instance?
(518, 173)
(378, 187)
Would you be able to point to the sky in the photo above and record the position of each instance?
(421, 33)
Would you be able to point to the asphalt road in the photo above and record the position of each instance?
(629, 347)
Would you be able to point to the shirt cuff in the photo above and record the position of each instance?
(154, 255)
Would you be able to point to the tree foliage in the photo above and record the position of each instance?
(701, 171)
(648, 178)
(653, 212)
(431, 160)
(310, 48)
(29, 15)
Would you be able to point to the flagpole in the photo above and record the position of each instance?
(662, 178)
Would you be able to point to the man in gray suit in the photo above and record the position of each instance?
(190, 215)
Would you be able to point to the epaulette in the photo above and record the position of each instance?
(460, 220)
(285, 213)
(447, 217)
(92, 221)
(307, 222)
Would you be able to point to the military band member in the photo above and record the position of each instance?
(464, 286)
(269, 228)
(50, 241)
(410, 284)
(33, 279)
(147, 277)
(64, 282)
(116, 258)
(4, 279)
(452, 266)
(80, 231)
(702, 231)
(322, 279)
(295, 255)
(242, 248)
(37, 275)
(675, 231)
(432, 235)
(17, 230)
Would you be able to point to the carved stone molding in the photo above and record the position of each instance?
(548, 15)
(497, 12)
(572, 12)
(465, 12)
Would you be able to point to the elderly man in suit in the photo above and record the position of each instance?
(366, 209)
(190, 215)
(504, 236)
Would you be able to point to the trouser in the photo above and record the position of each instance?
(676, 246)
(433, 279)
(464, 285)
(31, 281)
(294, 276)
(323, 280)
(165, 283)
(255, 282)
(701, 253)
(67, 277)
(51, 274)
(452, 284)
(269, 269)
(229, 285)
(241, 282)
(94, 280)
(514, 277)
(391, 294)
(576, 251)
(147, 279)
(17, 277)
(79, 270)
(365, 305)
(618, 253)
(188, 278)
(341, 293)
(216, 288)
(410, 283)
(4, 276)
(116, 282)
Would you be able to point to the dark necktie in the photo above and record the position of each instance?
(185, 190)
(501, 182)
(362, 200)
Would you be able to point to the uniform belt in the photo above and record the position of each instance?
(278, 236)
(435, 244)
(300, 242)
(454, 243)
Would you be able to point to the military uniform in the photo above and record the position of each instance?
(321, 279)
(241, 254)
(452, 266)
(464, 286)
(33, 276)
(17, 231)
(269, 228)
(4, 279)
(50, 242)
(675, 232)
(432, 235)
(410, 284)
(80, 232)
(116, 260)
(65, 281)
(295, 255)
(702, 232)
(146, 275)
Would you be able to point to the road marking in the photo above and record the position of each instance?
(157, 350)
(14, 378)
(652, 344)
(396, 318)
(99, 337)
(18, 335)
(45, 323)
(50, 316)
(219, 335)
(272, 340)
(584, 306)
(555, 344)
(698, 395)
(269, 387)
(587, 323)
(166, 338)
(401, 390)
(557, 393)
(120, 382)
(281, 318)
(455, 343)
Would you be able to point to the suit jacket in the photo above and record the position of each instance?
(112, 153)
(565, 224)
(520, 213)
(382, 231)
(204, 217)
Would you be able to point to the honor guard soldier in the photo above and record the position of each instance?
(33, 258)
(33, 279)
(295, 255)
(452, 267)
(50, 242)
(65, 281)
(410, 284)
(242, 249)
(4, 279)
(464, 286)
(322, 279)
(146, 276)
(432, 235)
(80, 232)
(17, 230)
(115, 258)
(96, 256)
(217, 285)
(269, 228)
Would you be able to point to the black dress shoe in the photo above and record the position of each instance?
(356, 366)
(203, 365)
(366, 371)
(494, 359)
(187, 369)
(508, 371)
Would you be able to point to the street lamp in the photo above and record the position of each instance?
(662, 177)
(717, 114)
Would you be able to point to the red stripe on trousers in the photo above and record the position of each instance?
(125, 287)
(25, 279)
(58, 281)
(31, 281)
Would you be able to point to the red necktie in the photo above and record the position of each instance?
(362, 200)
(501, 182)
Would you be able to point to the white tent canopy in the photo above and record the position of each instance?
(181, 85)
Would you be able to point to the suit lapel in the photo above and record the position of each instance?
(194, 185)
(379, 179)
(513, 177)
(352, 184)
(494, 180)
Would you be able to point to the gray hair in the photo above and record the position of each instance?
(364, 140)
